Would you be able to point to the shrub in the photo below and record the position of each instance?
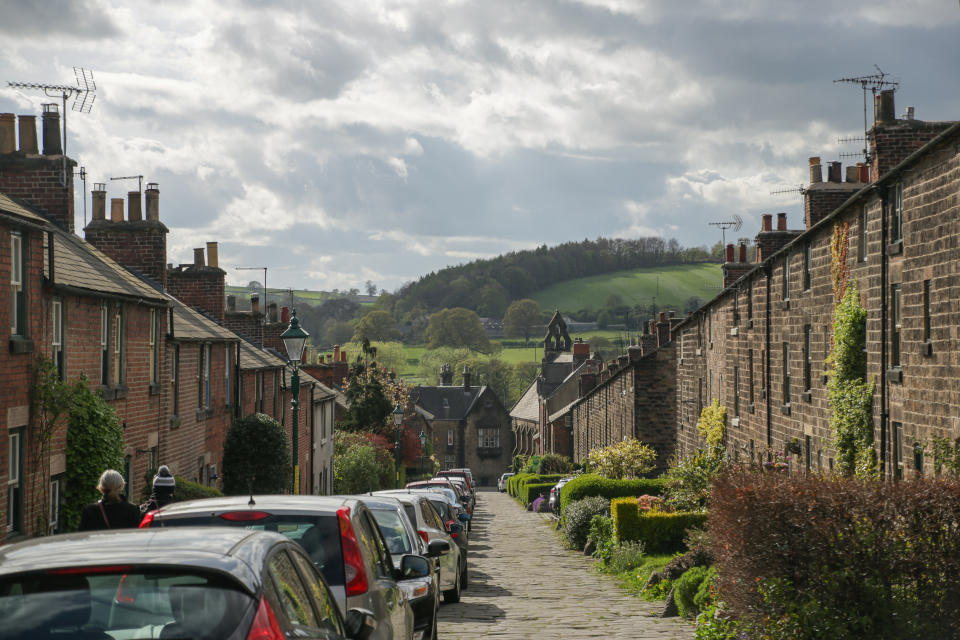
(686, 588)
(810, 557)
(625, 516)
(520, 488)
(554, 463)
(626, 556)
(531, 465)
(661, 532)
(688, 480)
(533, 491)
(256, 457)
(536, 504)
(601, 534)
(712, 425)
(518, 463)
(356, 470)
(590, 484)
(627, 459)
(187, 490)
(577, 516)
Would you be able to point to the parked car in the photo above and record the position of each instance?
(185, 583)
(502, 482)
(447, 511)
(340, 535)
(464, 496)
(453, 567)
(554, 499)
(466, 476)
(402, 539)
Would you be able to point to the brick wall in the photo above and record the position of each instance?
(139, 245)
(200, 287)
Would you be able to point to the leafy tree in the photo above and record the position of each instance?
(376, 326)
(492, 300)
(457, 327)
(339, 309)
(390, 355)
(603, 319)
(370, 288)
(94, 444)
(256, 456)
(372, 396)
(627, 459)
(521, 318)
(614, 301)
(433, 359)
(338, 332)
(354, 466)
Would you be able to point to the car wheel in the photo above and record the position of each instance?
(453, 595)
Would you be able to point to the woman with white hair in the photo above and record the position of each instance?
(112, 511)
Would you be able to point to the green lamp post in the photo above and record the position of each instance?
(293, 340)
(397, 422)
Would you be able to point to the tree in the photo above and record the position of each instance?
(457, 327)
(390, 355)
(492, 299)
(521, 318)
(254, 285)
(376, 326)
(370, 288)
(256, 456)
(354, 465)
(338, 332)
(371, 395)
(50, 398)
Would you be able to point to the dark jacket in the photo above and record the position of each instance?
(161, 497)
(121, 515)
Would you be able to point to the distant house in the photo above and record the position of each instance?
(468, 426)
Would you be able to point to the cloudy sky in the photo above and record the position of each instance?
(337, 142)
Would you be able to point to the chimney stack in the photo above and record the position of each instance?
(285, 315)
(863, 172)
(816, 172)
(51, 131)
(198, 257)
(231, 303)
(116, 209)
(743, 253)
(254, 304)
(8, 141)
(908, 113)
(883, 108)
(834, 172)
(767, 224)
(853, 174)
(152, 194)
(729, 253)
(213, 260)
(134, 206)
(28, 135)
(781, 221)
(272, 312)
(99, 201)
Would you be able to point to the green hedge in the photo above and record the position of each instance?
(187, 490)
(533, 491)
(660, 532)
(591, 484)
(517, 485)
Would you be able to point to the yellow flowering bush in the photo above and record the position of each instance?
(624, 460)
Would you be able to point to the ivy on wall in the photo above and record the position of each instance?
(839, 267)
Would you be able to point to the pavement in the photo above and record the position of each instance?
(525, 584)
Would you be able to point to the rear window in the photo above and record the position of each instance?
(134, 602)
(393, 531)
(319, 535)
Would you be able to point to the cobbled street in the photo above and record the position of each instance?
(524, 584)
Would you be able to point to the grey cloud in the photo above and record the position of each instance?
(85, 19)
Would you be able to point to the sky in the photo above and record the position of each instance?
(341, 142)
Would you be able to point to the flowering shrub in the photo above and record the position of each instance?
(624, 460)
(536, 504)
(712, 426)
(647, 502)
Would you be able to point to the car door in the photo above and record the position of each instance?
(324, 602)
(449, 563)
(397, 608)
(292, 600)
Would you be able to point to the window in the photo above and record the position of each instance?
(926, 311)
(104, 346)
(56, 339)
(896, 214)
(18, 305)
(258, 392)
(736, 308)
(276, 391)
(118, 346)
(808, 452)
(201, 350)
(786, 279)
(896, 321)
(807, 357)
(807, 259)
(898, 450)
(206, 375)
(154, 347)
(293, 596)
(699, 396)
(862, 243)
(449, 437)
(750, 302)
(918, 458)
(176, 379)
(449, 461)
(226, 373)
(750, 373)
(786, 373)
(55, 487)
(489, 437)
(736, 392)
(14, 491)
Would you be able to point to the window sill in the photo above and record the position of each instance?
(895, 374)
(120, 392)
(734, 331)
(19, 344)
(785, 409)
(699, 351)
(895, 248)
(735, 422)
(203, 414)
(113, 393)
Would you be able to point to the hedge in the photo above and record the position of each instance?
(519, 487)
(593, 485)
(660, 532)
(512, 482)
(533, 491)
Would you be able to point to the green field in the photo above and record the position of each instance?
(671, 286)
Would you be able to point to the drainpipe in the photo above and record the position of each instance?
(884, 302)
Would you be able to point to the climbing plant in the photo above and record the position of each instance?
(839, 267)
(50, 399)
(94, 444)
(850, 396)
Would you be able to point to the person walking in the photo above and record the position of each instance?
(164, 484)
(112, 511)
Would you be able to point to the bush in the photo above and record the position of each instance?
(810, 557)
(686, 588)
(577, 516)
(187, 490)
(554, 463)
(531, 465)
(626, 556)
(625, 516)
(519, 461)
(519, 487)
(601, 535)
(627, 459)
(590, 484)
(660, 531)
(256, 457)
(688, 480)
(533, 491)
(356, 470)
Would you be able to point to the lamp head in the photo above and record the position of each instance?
(397, 415)
(294, 338)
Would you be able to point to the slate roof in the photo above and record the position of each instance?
(9, 205)
(528, 406)
(190, 324)
(448, 403)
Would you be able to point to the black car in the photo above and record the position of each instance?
(171, 583)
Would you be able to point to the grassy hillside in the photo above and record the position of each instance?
(637, 286)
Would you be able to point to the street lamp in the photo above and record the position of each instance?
(397, 421)
(293, 340)
(423, 444)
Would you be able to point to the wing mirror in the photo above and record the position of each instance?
(456, 527)
(412, 566)
(438, 548)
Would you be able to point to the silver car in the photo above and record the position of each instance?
(453, 566)
(340, 535)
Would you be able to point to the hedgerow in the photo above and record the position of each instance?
(590, 484)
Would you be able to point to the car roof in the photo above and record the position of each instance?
(227, 550)
(273, 503)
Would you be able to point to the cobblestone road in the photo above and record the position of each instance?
(524, 584)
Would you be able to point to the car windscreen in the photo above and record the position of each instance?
(123, 602)
(319, 535)
(393, 530)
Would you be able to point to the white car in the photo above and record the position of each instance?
(502, 482)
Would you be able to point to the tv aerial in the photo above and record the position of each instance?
(84, 95)
(734, 224)
(873, 82)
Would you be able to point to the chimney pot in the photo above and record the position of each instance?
(8, 142)
(729, 253)
(213, 259)
(863, 172)
(28, 134)
(816, 173)
(272, 312)
(285, 315)
(663, 316)
(743, 252)
(781, 221)
(883, 108)
(152, 194)
(852, 173)
(99, 201)
(116, 209)
(908, 113)
(255, 304)
(135, 211)
(767, 224)
(198, 257)
(51, 131)
(834, 172)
